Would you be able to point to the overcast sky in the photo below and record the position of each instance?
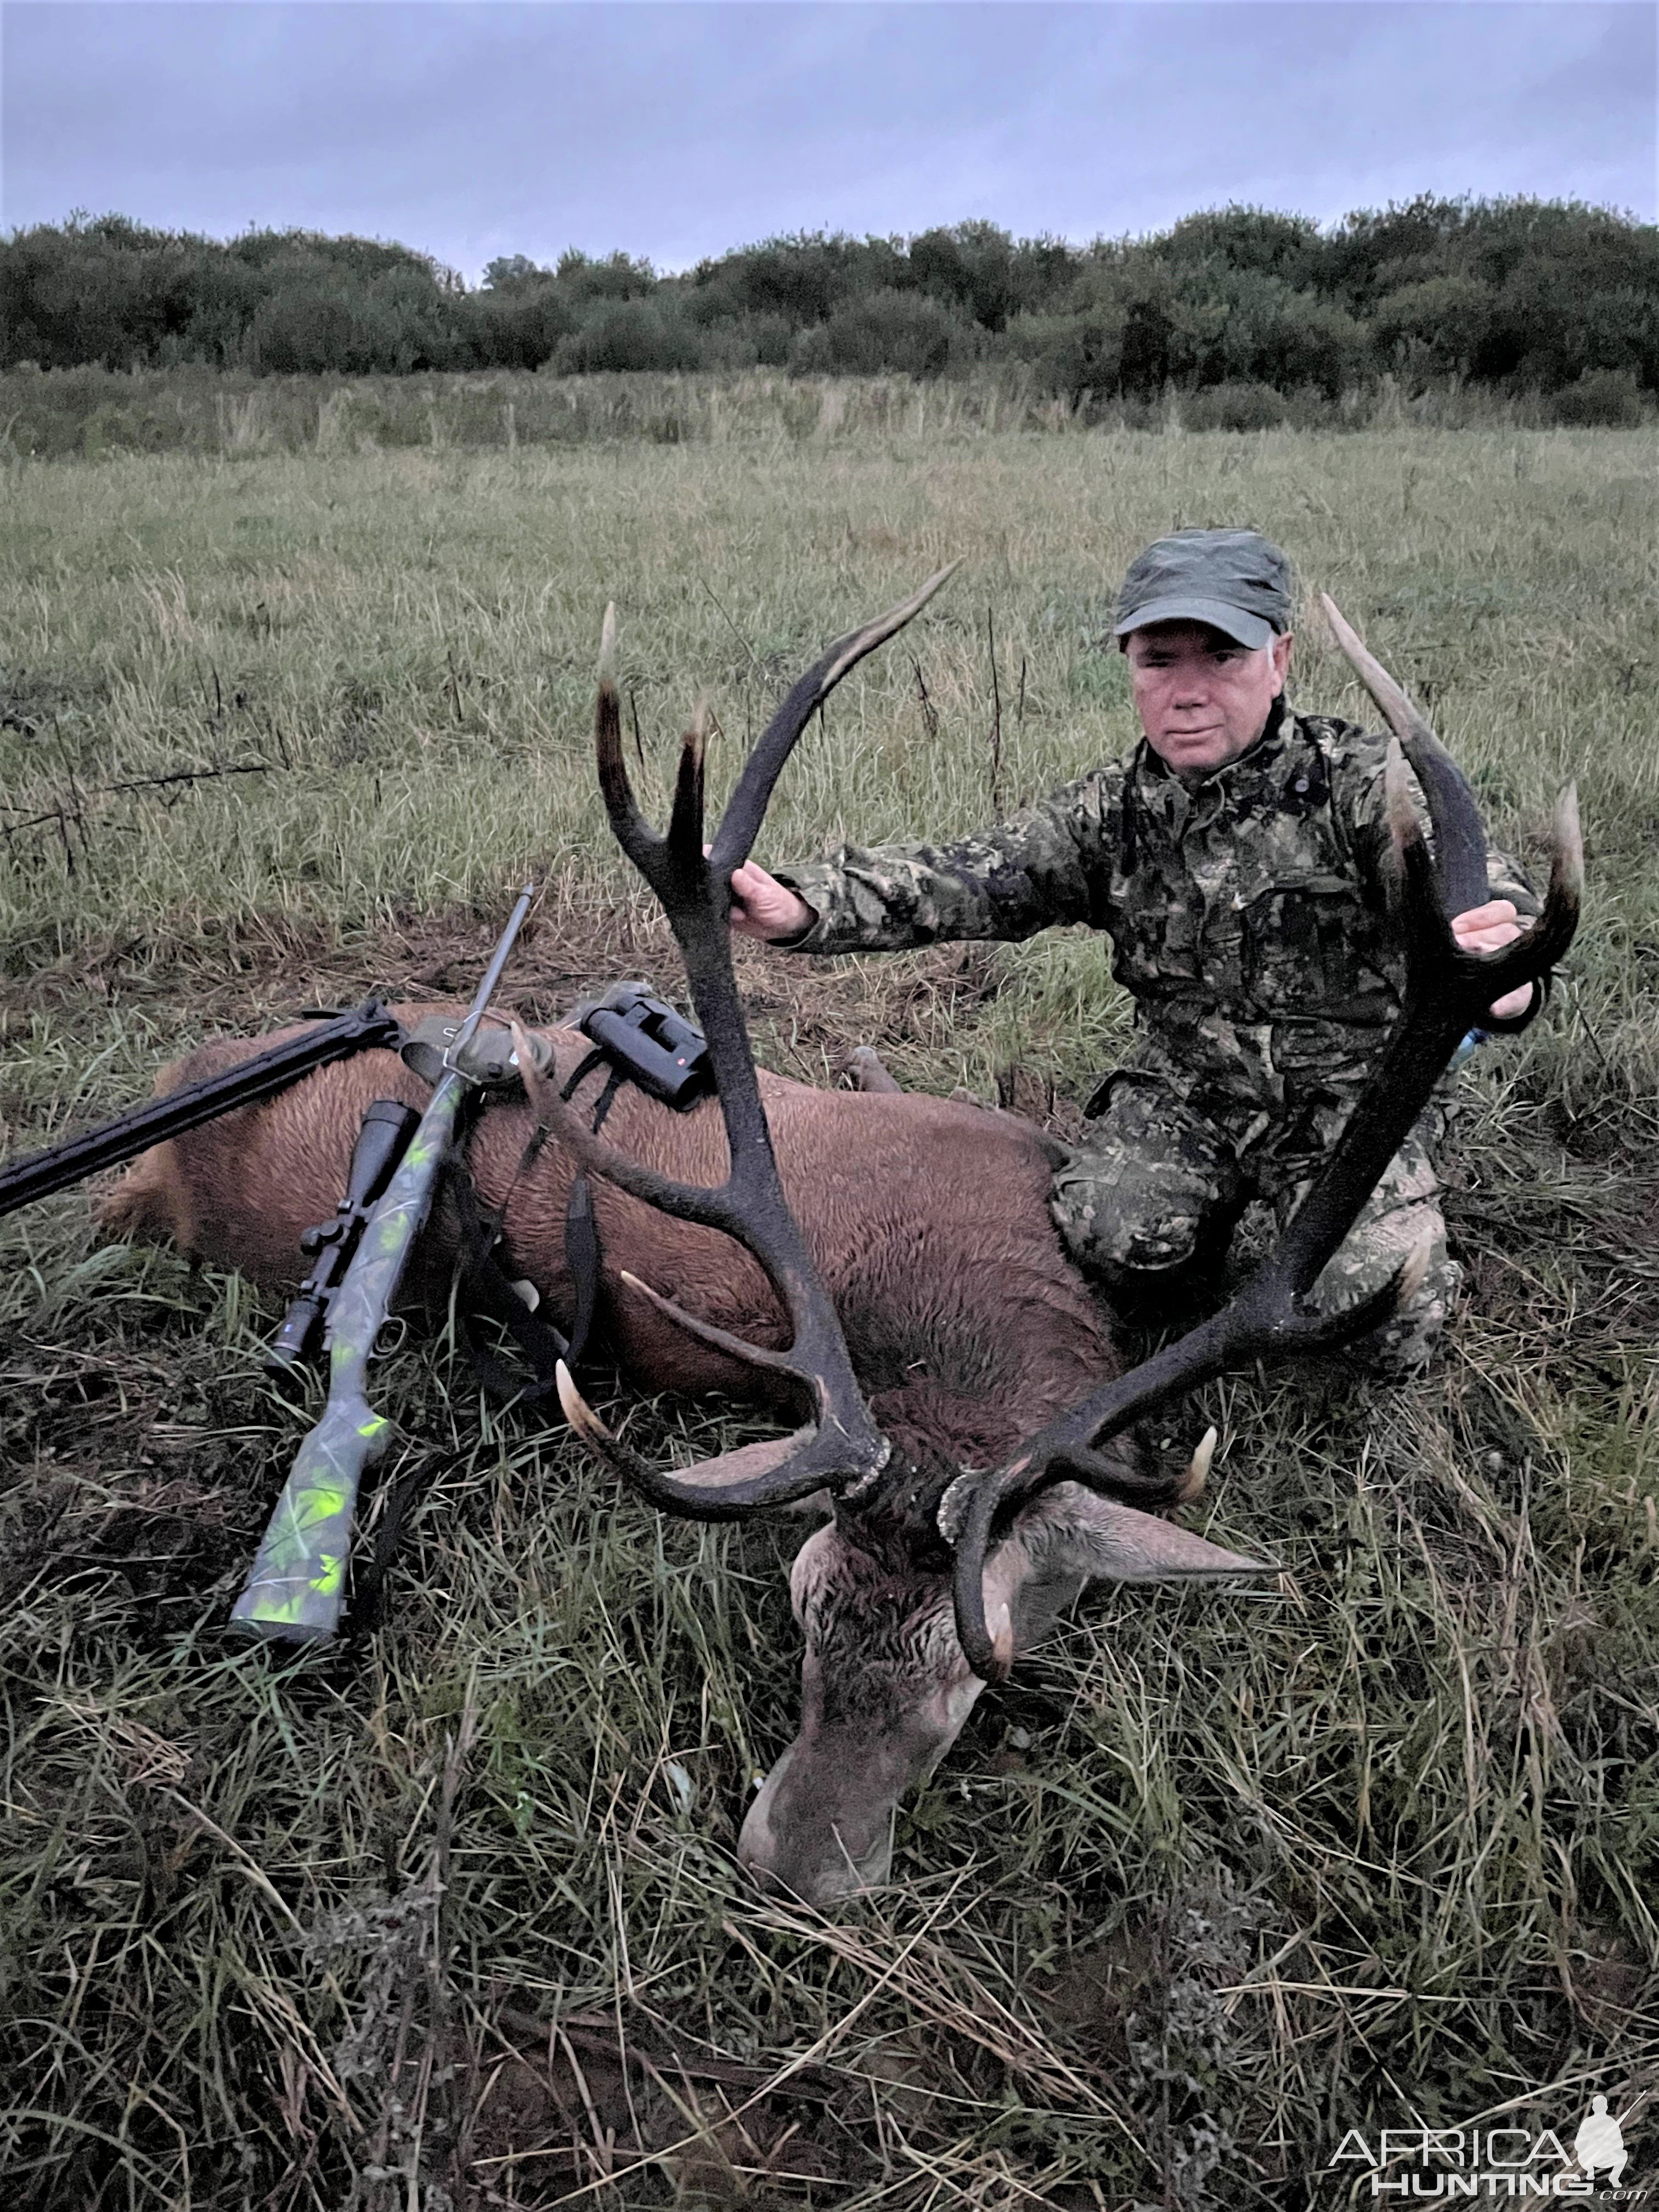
(674, 128)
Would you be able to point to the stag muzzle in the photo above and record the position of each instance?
(822, 1826)
(795, 1843)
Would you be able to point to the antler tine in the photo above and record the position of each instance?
(746, 808)
(630, 827)
(1402, 718)
(728, 1488)
(684, 838)
(1448, 991)
(1460, 844)
(844, 1446)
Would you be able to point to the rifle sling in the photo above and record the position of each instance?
(487, 1293)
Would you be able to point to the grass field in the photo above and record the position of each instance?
(451, 1917)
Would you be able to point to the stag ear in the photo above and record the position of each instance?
(1098, 1537)
(1068, 1536)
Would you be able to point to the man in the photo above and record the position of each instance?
(1600, 2142)
(1239, 860)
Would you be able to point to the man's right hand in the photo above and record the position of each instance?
(762, 907)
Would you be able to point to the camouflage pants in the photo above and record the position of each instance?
(1147, 1204)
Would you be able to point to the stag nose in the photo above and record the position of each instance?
(794, 1846)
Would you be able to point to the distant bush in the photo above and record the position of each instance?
(582, 277)
(803, 279)
(1602, 399)
(1439, 327)
(772, 338)
(519, 326)
(1074, 357)
(1517, 298)
(976, 269)
(1287, 248)
(315, 323)
(1244, 325)
(1236, 407)
(627, 334)
(905, 331)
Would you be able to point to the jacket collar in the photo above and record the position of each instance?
(1220, 791)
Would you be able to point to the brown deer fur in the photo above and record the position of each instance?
(927, 1218)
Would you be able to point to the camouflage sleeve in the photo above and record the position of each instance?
(1049, 863)
(1505, 880)
(1367, 813)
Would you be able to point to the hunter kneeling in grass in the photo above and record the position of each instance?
(1239, 858)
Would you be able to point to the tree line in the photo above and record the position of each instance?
(1516, 295)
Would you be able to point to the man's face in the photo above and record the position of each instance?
(1202, 698)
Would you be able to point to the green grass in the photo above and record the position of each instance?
(1219, 1876)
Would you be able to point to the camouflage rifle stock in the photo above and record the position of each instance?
(295, 1592)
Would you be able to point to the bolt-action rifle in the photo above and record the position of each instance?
(330, 1247)
(296, 1590)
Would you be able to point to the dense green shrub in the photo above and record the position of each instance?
(628, 334)
(315, 323)
(1436, 327)
(975, 268)
(890, 330)
(1233, 324)
(802, 279)
(581, 277)
(522, 328)
(1236, 407)
(1602, 398)
(1521, 298)
(1074, 357)
(1285, 247)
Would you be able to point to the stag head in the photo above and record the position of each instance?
(931, 1579)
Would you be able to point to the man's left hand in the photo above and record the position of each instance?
(1487, 929)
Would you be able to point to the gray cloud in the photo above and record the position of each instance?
(676, 131)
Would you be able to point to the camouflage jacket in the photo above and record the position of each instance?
(1248, 910)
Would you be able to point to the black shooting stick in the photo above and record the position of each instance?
(270, 1071)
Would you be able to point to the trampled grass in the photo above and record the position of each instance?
(451, 1916)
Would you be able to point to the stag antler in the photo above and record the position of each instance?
(1448, 992)
(840, 1447)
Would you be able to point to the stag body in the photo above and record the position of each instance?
(967, 1328)
(926, 1217)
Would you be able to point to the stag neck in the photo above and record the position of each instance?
(894, 1519)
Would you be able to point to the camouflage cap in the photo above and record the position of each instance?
(1236, 580)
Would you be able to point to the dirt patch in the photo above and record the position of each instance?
(805, 1016)
(575, 2100)
(1091, 1998)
